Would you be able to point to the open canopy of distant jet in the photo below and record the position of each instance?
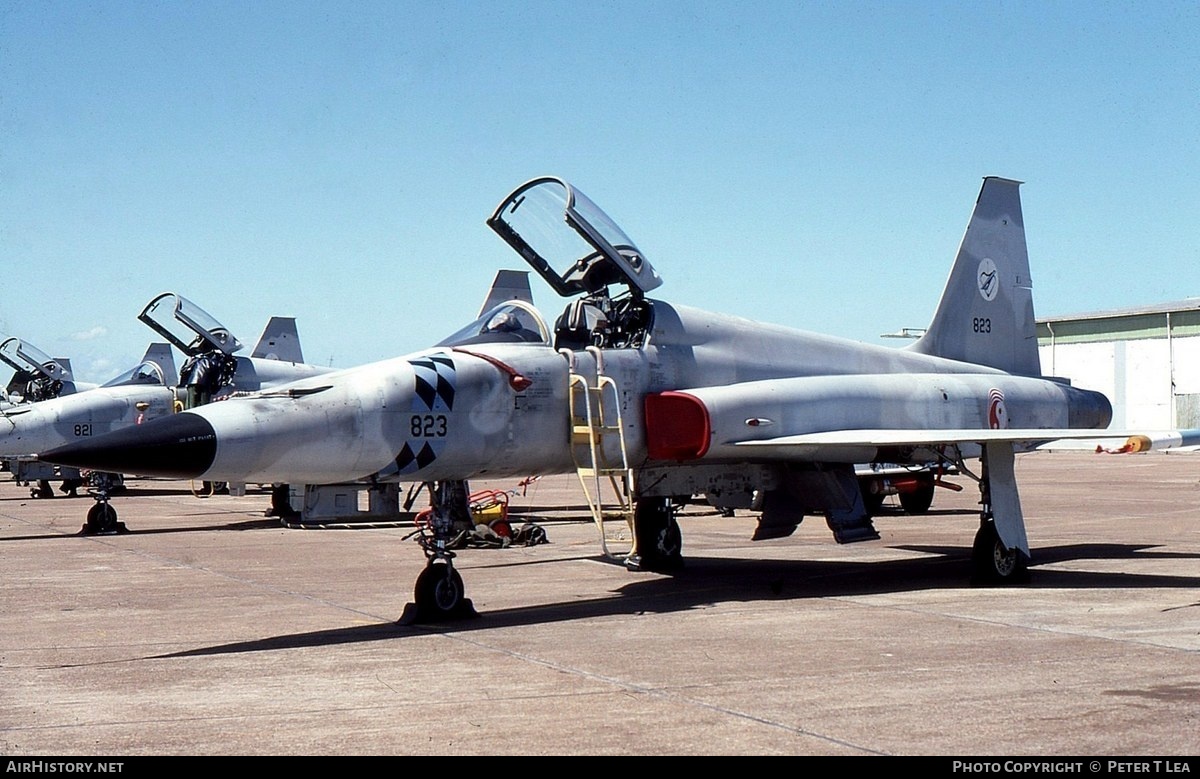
(37, 376)
(664, 401)
(212, 369)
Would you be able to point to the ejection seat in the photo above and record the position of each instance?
(576, 327)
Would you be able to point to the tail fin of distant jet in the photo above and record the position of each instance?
(986, 312)
(65, 364)
(508, 285)
(161, 355)
(279, 341)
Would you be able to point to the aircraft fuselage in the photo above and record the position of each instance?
(454, 413)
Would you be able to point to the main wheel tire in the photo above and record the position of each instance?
(872, 497)
(439, 592)
(659, 540)
(102, 518)
(919, 500)
(992, 563)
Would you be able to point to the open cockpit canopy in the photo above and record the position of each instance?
(33, 361)
(584, 259)
(187, 326)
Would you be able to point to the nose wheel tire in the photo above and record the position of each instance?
(439, 596)
(102, 518)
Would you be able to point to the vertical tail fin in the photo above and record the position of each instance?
(508, 285)
(65, 364)
(161, 355)
(986, 312)
(279, 341)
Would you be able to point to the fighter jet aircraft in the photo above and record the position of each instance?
(662, 401)
(150, 390)
(24, 428)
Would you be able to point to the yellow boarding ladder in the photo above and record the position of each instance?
(596, 418)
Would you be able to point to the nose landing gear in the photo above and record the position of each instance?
(439, 595)
(102, 517)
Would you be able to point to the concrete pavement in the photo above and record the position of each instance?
(209, 629)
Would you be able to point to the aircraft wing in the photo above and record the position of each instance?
(1142, 441)
(810, 445)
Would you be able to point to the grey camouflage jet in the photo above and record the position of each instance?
(661, 401)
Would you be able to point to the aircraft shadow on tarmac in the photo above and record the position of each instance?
(704, 582)
(128, 492)
(246, 524)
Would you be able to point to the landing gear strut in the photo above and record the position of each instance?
(658, 543)
(992, 561)
(102, 517)
(439, 594)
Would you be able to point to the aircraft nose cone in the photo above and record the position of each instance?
(181, 446)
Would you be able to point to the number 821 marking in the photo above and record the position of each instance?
(427, 426)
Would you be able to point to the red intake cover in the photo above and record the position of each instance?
(677, 426)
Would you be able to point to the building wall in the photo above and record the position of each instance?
(1187, 381)
(1153, 382)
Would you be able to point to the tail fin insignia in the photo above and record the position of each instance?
(986, 312)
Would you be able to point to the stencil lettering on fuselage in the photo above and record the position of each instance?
(433, 395)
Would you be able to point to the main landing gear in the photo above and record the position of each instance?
(439, 594)
(42, 490)
(995, 561)
(918, 499)
(658, 543)
(992, 562)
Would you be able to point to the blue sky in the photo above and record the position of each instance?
(804, 163)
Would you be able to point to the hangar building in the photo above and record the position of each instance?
(1146, 360)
